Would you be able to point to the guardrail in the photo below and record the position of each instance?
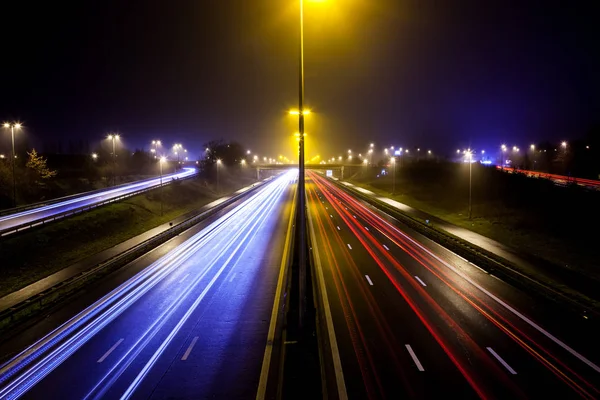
(484, 259)
(41, 301)
(38, 204)
(51, 218)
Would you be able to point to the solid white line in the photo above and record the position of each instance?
(232, 276)
(189, 349)
(524, 318)
(420, 281)
(339, 228)
(335, 352)
(350, 247)
(110, 350)
(512, 371)
(261, 391)
(414, 357)
(479, 268)
(385, 247)
(369, 279)
(184, 278)
(366, 228)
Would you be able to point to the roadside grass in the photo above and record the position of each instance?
(35, 254)
(557, 231)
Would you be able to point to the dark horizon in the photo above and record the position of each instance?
(413, 74)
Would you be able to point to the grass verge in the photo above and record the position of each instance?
(37, 253)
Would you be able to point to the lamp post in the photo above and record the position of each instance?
(393, 161)
(14, 157)
(469, 156)
(503, 150)
(160, 163)
(218, 164)
(114, 137)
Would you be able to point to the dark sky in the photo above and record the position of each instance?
(435, 74)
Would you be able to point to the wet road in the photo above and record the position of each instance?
(413, 320)
(192, 324)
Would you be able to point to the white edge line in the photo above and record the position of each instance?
(369, 279)
(335, 353)
(110, 351)
(189, 349)
(184, 278)
(479, 268)
(550, 336)
(232, 276)
(420, 281)
(508, 367)
(414, 357)
(261, 391)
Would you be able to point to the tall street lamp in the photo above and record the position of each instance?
(503, 150)
(393, 161)
(155, 144)
(160, 163)
(114, 137)
(469, 157)
(14, 157)
(218, 165)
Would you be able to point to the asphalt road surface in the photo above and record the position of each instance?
(36, 214)
(191, 324)
(413, 320)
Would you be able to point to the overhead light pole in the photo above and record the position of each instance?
(160, 163)
(393, 161)
(14, 158)
(114, 137)
(469, 156)
(218, 165)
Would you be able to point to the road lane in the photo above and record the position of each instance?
(476, 322)
(188, 293)
(33, 215)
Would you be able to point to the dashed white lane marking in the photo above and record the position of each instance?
(189, 349)
(350, 247)
(184, 278)
(420, 281)
(385, 247)
(414, 357)
(339, 228)
(366, 228)
(354, 216)
(369, 280)
(232, 276)
(110, 350)
(331, 215)
(508, 367)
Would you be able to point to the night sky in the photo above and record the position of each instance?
(435, 74)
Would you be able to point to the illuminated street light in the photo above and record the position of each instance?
(428, 151)
(94, 156)
(218, 165)
(564, 145)
(532, 147)
(114, 137)
(482, 151)
(469, 156)
(12, 127)
(160, 166)
(248, 152)
(393, 161)
(458, 151)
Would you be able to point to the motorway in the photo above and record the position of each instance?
(194, 322)
(410, 319)
(10, 221)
